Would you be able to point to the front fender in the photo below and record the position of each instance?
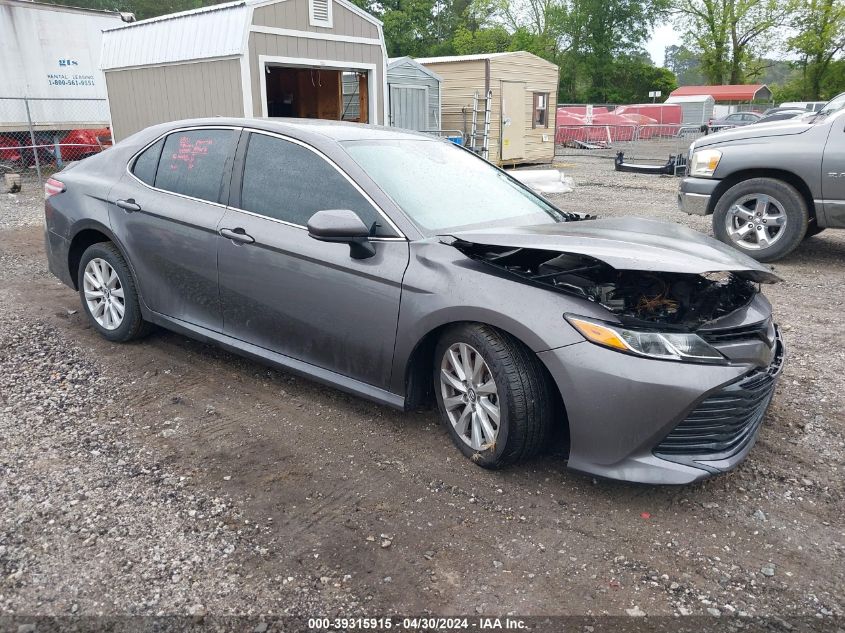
(442, 286)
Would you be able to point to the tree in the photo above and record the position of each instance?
(408, 26)
(730, 35)
(485, 40)
(684, 63)
(833, 81)
(821, 36)
(614, 28)
(632, 77)
(583, 37)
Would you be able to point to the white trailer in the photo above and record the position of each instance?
(50, 55)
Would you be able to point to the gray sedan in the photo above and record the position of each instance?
(405, 269)
(737, 119)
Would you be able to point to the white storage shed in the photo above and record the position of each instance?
(248, 58)
(413, 95)
(696, 109)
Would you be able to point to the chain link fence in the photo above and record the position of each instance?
(648, 144)
(40, 136)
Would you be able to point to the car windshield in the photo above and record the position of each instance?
(834, 105)
(441, 186)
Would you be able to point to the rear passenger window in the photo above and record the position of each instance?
(192, 163)
(146, 164)
(285, 181)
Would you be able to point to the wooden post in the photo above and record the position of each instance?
(364, 99)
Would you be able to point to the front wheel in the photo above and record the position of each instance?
(762, 217)
(493, 395)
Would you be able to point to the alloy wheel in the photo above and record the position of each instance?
(470, 396)
(104, 294)
(755, 222)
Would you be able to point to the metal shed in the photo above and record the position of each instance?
(522, 89)
(697, 109)
(413, 95)
(246, 58)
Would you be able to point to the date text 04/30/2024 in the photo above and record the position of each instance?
(414, 624)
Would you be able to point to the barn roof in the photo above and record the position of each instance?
(737, 92)
(215, 31)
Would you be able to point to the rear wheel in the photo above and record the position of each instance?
(493, 396)
(108, 294)
(762, 217)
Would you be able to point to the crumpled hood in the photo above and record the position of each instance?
(788, 127)
(629, 244)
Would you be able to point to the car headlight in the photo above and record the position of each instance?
(704, 162)
(651, 344)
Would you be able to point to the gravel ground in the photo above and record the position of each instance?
(169, 477)
(23, 208)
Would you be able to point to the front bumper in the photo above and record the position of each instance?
(694, 195)
(622, 408)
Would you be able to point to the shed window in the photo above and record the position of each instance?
(320, 13)
(541, 110)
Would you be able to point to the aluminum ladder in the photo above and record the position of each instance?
(484, 136)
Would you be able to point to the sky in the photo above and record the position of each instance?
(662, 36)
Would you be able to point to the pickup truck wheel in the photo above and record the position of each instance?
(763, 217)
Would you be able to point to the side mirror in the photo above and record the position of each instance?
(345, 227)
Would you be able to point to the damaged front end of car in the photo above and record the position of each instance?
(653, 314)
(644, 273)
(654, 292)
(638, 298)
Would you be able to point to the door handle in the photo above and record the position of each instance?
(128, 205)
(237, 235)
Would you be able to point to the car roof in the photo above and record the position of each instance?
(299, 128)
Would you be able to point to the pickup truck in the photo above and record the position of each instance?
(770, 185)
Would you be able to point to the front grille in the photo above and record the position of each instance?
(757, 331)
(724, 422)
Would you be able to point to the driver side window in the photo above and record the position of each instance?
(289, 182)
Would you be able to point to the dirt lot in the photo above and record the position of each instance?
(168, 477)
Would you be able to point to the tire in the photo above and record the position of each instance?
(523, 396)
(736, 221)
(121, 293)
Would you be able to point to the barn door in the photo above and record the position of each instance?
(514, 120)
(408, 107)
